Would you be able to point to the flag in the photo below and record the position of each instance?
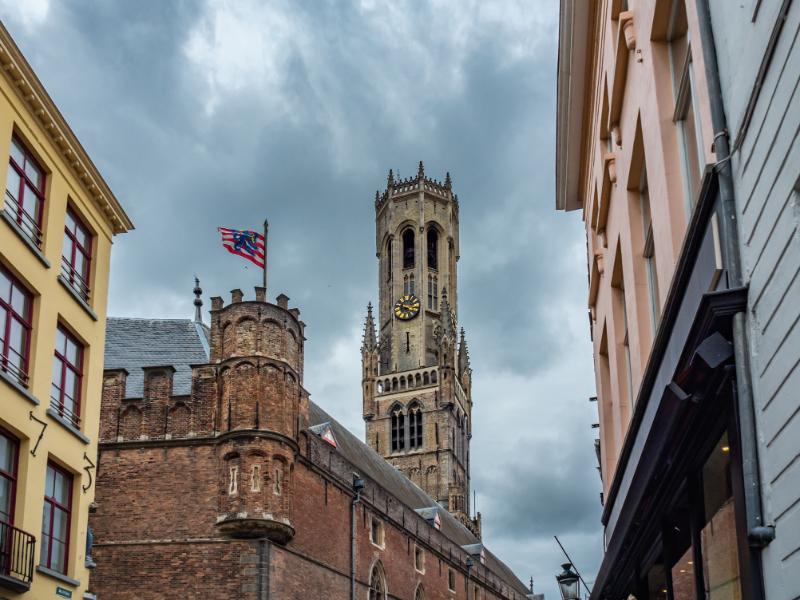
(245, 243)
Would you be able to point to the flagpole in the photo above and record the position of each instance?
(266, 231)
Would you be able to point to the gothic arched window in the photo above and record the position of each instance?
(398, 429)
(377, 583)
(415, 426)
(433, 292)
(433, 248)
(408, 248)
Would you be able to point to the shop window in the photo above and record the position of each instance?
(24, 201)
(718, 535)
(54, 549)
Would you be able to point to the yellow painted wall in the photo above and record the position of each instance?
(53, 304)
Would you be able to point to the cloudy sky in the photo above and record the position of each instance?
(212, 113)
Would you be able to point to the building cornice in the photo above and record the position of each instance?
(27, 85)
(577, 20)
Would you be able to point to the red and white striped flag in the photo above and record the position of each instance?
(245, 243)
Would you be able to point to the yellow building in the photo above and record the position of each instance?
(57, 221)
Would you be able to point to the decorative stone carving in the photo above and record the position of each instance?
(626, 22)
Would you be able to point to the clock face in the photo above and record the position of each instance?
(406, 307)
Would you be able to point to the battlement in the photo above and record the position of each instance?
(396, 188)
(257, 328)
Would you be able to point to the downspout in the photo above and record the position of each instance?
(759, 535)
(358, 486)
(263, 569)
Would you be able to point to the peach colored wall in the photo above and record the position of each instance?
(645, 95)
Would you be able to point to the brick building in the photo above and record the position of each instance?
(219, 478)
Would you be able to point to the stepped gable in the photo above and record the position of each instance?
(133, 344)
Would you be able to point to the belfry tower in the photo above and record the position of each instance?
(416, 375)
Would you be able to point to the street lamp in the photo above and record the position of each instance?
(569, 583)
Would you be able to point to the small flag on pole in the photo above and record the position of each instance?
(245, 243)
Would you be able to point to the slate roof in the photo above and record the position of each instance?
(133, 344)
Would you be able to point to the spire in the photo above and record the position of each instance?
(390, 179)
(421, 172)
(448, 183)
(463, 354)
(198, 302)
(369, 341)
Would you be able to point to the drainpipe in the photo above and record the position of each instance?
(263, 569)
(759, 535)
(358, 486)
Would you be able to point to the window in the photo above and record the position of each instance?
(277, 484)
(9, 453)
(56, 519)
(408, 249)
(15, 327)
(626, 344)
(233, 480)
(433, 249)
(415, 426)
(25, 191)
(433, 292)
(649, 252)
(408, 284)
(76, 256)
(718, 537)
(376, 532)
(685, 91)
(255, 479)
(420, 593)
(419, 559)
(451, 580)
(65, 393)
(398, 430)
(377, 583)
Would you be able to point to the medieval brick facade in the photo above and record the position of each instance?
(218, 478)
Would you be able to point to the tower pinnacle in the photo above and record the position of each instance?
(198, 301)
(463, 354)
(369, 341)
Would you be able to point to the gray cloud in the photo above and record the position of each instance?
(204, 113)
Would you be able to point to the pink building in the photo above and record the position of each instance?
(642, 153)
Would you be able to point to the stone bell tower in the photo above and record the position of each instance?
(256, 375)
(416, 378)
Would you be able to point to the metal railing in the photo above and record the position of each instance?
(17, 552)
(27, 224)
(11, 365)
(65, 412)
(74, 279)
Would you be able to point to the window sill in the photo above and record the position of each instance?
(59, 576)
(84, 305)
(26, 240)
(19, 387)
(68, 426)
